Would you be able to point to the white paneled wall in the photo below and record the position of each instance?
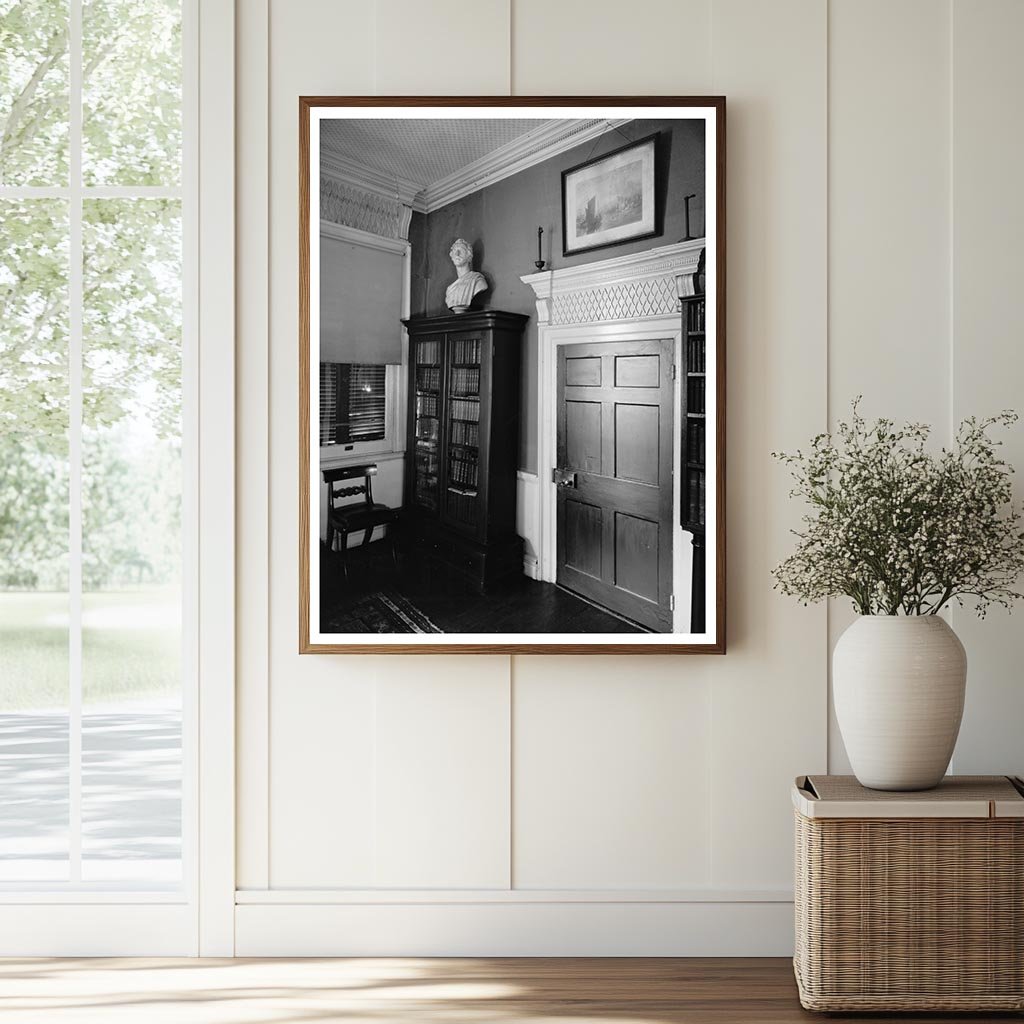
(443, 776)
(889, 209)
(617, 805)
(988, 328)
(767, 694)
(459, 49)
(889, 223)
(580, 48)
(630, 750)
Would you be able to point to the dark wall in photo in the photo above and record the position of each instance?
(501, 221)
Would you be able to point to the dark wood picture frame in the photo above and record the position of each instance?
(568, 173)
(716, 643)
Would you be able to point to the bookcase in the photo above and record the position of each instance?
(463, 441)
(694, 468)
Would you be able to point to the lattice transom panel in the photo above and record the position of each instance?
(627, 300)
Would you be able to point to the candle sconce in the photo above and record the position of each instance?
(538, 262)
(686, 204)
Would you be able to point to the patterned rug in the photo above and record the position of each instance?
(381, 612)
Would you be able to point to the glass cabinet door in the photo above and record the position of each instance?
(464, 359)
(427, 410)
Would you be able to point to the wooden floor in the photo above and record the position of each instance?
(520, 605)
(381, 991)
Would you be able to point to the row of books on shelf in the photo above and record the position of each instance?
(465, 409)
(462, 471)
(695, 496)
(428, 351)
(695, 315)
(696, 355)
(426, 428)
(462, 432)
(466, 350)
(426, 405)
(428, 378)
(465, 380)
(462, 504)
(695, 394)
(695, 441)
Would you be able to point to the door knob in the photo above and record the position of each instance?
(563, 478)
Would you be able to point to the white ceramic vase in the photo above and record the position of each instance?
(898, 684)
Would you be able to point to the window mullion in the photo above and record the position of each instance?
(75, 333)
(34, 192)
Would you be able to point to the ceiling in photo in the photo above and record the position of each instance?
(420, 150)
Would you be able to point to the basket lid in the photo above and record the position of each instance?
(957, 796)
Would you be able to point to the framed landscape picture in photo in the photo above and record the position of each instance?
(511, 366)
(609, 199)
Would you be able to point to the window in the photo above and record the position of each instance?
(94, 444)
(353, 403)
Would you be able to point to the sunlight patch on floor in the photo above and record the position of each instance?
(135, 990)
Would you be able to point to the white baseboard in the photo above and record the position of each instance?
(515, 929)
(97, 929)
(531, 567)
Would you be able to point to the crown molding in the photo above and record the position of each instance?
(534, 147)
(351, 172)
(541, 144)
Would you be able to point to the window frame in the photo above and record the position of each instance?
(72, 919)
(76, 194)
(393, 441)
(395, 384)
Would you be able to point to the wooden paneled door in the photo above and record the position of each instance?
(614, 476)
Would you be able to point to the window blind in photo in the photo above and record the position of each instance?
(328, 402)
(353, 402)
(360, 303)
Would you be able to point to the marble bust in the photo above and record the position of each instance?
(459, 295)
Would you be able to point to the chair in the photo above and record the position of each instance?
(346, 516)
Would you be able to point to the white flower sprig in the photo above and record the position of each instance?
(900, 530)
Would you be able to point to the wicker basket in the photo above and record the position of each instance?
(910, 901)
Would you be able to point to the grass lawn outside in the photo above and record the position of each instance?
(131, 647)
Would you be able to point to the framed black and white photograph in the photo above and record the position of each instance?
(510, 441)
(609, 199)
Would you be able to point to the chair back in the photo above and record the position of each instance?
(346, 485)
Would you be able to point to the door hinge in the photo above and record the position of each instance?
(673, 371)
(672, 602)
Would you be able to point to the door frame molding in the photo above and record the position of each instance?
(664, 343)
(654, 329)
(577, 305)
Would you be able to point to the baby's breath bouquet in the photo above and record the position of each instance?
(899, 529)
